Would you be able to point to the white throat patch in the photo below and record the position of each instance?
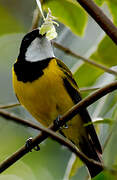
(39, 49)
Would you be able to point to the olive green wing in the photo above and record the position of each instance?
(74, 93)
(67, 73)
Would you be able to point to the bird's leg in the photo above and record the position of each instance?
(29, 145)
(57, 121)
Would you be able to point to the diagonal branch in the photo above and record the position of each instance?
(76, 55)
(12, 117)
(102, 20)
(64, 119)
(54, 136)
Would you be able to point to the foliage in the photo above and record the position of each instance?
(70, 11)
(52, 160)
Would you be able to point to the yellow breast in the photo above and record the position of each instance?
(46, 98)
(43, 97)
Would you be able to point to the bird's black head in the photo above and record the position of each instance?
(35, 47)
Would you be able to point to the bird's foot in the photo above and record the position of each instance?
(57, 123)
(29, 145)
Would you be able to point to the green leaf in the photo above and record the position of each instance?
(69, 13)
(10, 177)
(99, 2)
(22, 171)
(85, 71)
(105, 175)
(114, 115)
(101, 121)
(112, 4)
(75, 166)
(8, 23)
(109, 105)
(106, 52)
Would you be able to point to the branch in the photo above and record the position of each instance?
(86, 89)
(76, 55)
(12, 117)
(102, 20)
(64, 119)
(9, 105)
(53, 135)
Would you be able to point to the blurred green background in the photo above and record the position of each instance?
(52, 160)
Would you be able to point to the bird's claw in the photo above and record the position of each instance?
(29, 145)
(57, 123)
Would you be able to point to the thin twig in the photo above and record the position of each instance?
(76, 55)
(66, 117)
(36, 17)
(89, 89)
(6, 106)
(12, 117)
(102, 20)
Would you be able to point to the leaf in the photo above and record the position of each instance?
(10, 177)
(8, 24)
(114, 115)
(106, 53)
(75, 166)
(69, 13)
(109, 105)
(101, 121)
(112, 4)
(99, 2)
(22, 171)
(72, 167)
(85, 71)
(105, 175)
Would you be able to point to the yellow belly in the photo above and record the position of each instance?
(46, 98)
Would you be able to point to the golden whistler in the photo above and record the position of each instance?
(45, 86)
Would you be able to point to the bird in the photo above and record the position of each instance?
(45, 86)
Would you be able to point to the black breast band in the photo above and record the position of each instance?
(30, 71)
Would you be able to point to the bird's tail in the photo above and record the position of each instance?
(88, 148)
